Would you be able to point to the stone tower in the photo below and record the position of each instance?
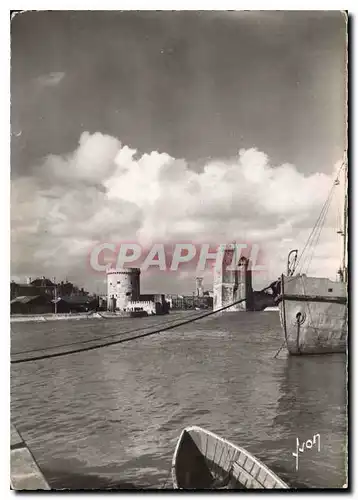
(199, 287)
(231, 285)
(123, 286)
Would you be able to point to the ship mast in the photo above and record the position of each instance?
(343, 271)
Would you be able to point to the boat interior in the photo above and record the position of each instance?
(194, 471)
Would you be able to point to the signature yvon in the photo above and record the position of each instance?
(306, 445)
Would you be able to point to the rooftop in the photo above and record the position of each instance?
(24, 299)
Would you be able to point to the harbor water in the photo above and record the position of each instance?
(111, 417)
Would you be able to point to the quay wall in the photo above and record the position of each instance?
(23, 318)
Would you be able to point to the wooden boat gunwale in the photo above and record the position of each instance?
(228, 443)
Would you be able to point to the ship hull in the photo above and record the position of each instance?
(313, 314)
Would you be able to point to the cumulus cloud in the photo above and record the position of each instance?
(106, 191)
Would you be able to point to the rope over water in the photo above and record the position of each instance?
(135, 337)
(95, 339)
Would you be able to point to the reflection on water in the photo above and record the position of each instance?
(114, 414)
(313, 402)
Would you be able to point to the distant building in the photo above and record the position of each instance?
(183, 302)
(123, 286)
(102, 303)
(199, 287)
(36, 304)
(77, 304)
(55, 297)
(43, 285)
(233, 282)
(66, 288)
(23, 289)
(39, 286)
(232, 285)
(123, 293)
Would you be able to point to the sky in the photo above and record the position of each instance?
(173, 126)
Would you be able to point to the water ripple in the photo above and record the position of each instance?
(112, 416)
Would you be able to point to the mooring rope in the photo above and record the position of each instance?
(280, 349)
(135, 337)
(121, 341)
(95, 339)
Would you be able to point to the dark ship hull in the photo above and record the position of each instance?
(313, 314)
